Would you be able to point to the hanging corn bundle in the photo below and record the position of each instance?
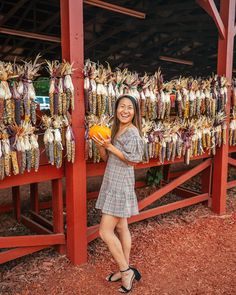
(6, 103)
(48, 138)
(27, 73)
(68, 87)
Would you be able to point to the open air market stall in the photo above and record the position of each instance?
(183, 119)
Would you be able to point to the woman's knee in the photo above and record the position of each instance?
(122, 228)
(104, 234)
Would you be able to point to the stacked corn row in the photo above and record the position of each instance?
(59, 134)
(181, 113)
(19, 148)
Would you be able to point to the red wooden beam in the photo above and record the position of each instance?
(41, 220)
(34, 226)
(173, 184)
(32, 240)
(231, 184)
(232, 161)
(99, 168)
(18, 252)
(16, 202)
(45, 205)
(184, 192)
(224, 68)
(116, 8)
(34, 197)
(169, 207)
(93, 232)
(73, 50)
(30, 35)
(232, 149)
(44, 173)
(210, 7)
(6, 208)
(57, 206)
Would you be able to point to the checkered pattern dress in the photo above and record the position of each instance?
(117, 196)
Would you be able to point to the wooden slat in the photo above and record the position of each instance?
(44, 173)
(34, 226)
(231, 184)
(232, 149)
(34, 197)
(32, 240)
(45, 205)
(210, 7)
(16, 202)
(184, 192)
(174, 184)
(169, 207)
(18, 252)
(232, 161)
(41, 220)
(99, 168)
(57, 206)
(6, 208)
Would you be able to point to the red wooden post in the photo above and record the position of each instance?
(224, 67)
(225, 22)
(166, 172)
(73, 50)
(34, 197)
(16, 201)
(57, 206)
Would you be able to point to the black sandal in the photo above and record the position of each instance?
(109, 278)
(136, 276)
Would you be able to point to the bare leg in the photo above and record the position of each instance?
(125, 239)
(106, 231)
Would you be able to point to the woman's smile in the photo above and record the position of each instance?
(125, 111)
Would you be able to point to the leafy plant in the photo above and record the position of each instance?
(154, 176)
(41, 86)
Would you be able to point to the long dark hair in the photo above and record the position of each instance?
(136, 119)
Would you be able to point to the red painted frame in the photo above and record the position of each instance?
(78, 235)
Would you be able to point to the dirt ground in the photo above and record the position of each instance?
(187, 252)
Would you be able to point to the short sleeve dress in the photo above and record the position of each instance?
(117, 196)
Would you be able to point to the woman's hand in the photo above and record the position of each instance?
(101, 141)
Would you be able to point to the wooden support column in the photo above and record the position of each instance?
(73, 50)
(34, 197)
(224, 67)
(16, 202)
(225, 22)
(57, 206)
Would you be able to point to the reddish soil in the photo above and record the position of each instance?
(187, 252)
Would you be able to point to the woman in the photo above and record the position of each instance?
(117, 198)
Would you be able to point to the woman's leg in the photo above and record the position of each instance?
(106, 231)
(124, 237)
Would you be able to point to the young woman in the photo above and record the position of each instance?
(117, 198)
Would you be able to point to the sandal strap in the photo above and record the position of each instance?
(125, 269)
(124, 290)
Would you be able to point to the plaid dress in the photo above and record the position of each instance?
(117, 196)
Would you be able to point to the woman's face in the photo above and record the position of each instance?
(125, 111)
